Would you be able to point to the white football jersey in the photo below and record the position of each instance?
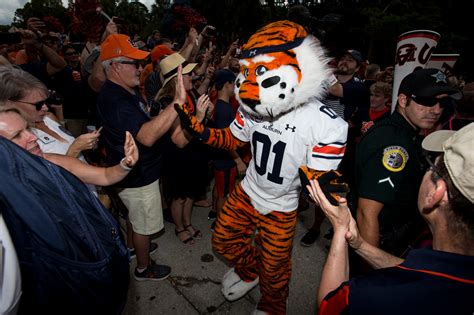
(312, 135)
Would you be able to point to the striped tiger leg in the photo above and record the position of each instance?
(275, 237)
(233, 234)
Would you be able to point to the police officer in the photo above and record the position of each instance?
(389, 162)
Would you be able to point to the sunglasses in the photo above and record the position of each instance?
(38, 105)
(431, 101)
(137, 63)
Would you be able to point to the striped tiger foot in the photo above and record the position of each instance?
(233, 288)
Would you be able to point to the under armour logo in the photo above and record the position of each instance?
(440, 77)
(292, 128)
(253, 52)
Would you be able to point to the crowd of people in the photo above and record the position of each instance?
(107, 113)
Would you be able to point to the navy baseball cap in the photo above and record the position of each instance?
(355, 54)
(223, 76)
(427, 83)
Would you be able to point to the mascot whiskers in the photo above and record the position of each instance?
(292, 135)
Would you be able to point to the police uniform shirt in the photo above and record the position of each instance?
(389, 169)
(312, 135)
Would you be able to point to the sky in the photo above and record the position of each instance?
(8, 8)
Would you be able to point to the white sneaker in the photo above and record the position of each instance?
(259, 312)
(233, 288)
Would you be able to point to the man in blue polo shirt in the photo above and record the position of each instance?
(121, 108)
(429, 281)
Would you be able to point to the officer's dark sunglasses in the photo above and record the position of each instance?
(137, 63)
(431, 101)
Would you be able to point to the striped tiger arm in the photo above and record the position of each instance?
(217, 138)
(328, 181)
(223, 139)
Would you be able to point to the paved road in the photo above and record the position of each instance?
(194, 284)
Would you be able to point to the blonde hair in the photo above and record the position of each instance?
(167, 90)
(381, 87)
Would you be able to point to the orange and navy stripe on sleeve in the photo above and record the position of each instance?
(330, 151)
(239, 121)
(336, 301)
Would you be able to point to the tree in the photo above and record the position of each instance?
(40, 9)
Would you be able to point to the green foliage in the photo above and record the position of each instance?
(40, 9)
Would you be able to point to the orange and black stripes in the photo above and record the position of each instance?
(274, 34)
(223, 139)
(269, 259)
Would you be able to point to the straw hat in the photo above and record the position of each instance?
(169, 66)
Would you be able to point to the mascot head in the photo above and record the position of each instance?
(282, 67)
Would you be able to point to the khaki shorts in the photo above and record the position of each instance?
(144, 208)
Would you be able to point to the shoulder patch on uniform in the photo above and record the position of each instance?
(395, 158)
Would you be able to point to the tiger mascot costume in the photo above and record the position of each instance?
(283, 70)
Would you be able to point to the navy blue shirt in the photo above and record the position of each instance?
(356, 100)
(118, 111)
(427, 282)
(223, 117)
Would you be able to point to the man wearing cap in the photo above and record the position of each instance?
(121, 108)
(389, 164)
(429, 281)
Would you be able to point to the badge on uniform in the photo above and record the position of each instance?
(394, 158)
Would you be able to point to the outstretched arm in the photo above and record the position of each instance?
(217, 138)
(101, 176)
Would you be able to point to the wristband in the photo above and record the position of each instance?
(124, 166)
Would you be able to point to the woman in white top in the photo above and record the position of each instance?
(21, 90)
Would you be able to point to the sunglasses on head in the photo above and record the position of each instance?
(137, 63)
(431, 101)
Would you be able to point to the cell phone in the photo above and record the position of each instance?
(10, 38)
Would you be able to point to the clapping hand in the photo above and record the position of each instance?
(131, 151)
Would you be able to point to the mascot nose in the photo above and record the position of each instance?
(249, 93)
(269, 82)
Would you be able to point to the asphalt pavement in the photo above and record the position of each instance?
(194, 284)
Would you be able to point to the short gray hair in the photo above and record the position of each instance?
(16, 83)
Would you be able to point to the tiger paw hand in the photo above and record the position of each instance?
(328, 181)
(190, 123)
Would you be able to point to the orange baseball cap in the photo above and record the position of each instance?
(119, 45)
(160, 51)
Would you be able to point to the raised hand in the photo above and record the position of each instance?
(180, 91)
(202, 107)
(339, 215)
(131, 151)
(189, 122)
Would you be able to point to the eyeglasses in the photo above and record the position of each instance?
(431, 101)
(433, 168)
(38, 105)
(137, 63)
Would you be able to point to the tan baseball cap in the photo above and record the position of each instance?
(458, 148)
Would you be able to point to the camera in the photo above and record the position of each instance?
(54, 98)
